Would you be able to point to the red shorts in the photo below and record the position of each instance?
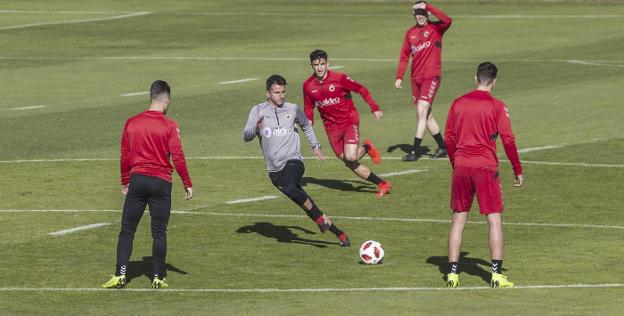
(425, 89)
(467, 181)
(349, 134)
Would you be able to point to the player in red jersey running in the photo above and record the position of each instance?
(423, 43)
(330, 92)
(474, 122)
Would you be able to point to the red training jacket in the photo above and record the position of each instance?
(424, 45)
(332, 97)
(474, 122)
(149, 139)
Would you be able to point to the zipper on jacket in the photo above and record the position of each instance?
(276, 117)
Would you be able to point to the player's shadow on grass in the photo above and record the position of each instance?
(137, 268)
(468, 265)
(407, 148)
(283, 234)
(342, 185)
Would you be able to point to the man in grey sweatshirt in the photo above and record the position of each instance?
(273, 121)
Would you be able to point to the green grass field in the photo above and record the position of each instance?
(66, 66)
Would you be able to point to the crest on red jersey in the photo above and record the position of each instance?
(332, 88)
(426, 34)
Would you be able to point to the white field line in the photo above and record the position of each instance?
(132, 94)
(230, 158)
(238, 81)
(400, 173)
(572, 164)
(60, 211)
(77, 229)
(298, 14)
(364, 15)
(317, 290)
(116, 17)
(260, 198)
(612, 62)
(29, 108)
(548, 163)
(530, 149)
(58, 160)
(412, 220)
(336, 67)
(47, 12)
(354, 218)
(590, 63)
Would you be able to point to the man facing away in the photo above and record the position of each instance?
(423, 43)
(148, 142)
(330, 93)
(273, 121)
(474, 122)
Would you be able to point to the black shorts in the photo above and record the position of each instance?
(288, 180)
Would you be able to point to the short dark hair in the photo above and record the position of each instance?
(318, 54)
(275, 79)
(486, 73)
(158, 88)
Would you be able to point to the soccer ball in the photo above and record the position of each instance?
(371, 252)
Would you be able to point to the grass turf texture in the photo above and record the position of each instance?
(67, 68)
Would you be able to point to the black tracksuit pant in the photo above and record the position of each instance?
(155, 192)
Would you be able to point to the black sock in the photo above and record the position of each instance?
(454, 267)
(497, 266)
(335, 230)
(120, 270)
(314, 213)
(374, 179)
(417, 142)
(366, 147)
(438, 138)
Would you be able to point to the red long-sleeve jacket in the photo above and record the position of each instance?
(332, 97)
(148, 142)
(424, 46)
(474, 122)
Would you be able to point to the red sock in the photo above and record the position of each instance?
(342, 237)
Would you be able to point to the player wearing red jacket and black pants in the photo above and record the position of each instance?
(474, 122)
(148, 142)
(423, 43)
(330, 93)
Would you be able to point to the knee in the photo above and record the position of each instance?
(159, 234)
(350, 158)
(422, 109)
(290, 190)
(159, 231)
(128, 227)
(351, 164)
(296, 194)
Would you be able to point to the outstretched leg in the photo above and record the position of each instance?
(288, 182)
